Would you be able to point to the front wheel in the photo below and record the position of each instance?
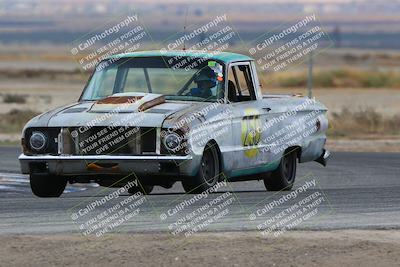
(208, 174)
(47, 185)
(283, 177)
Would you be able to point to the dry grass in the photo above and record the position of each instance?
(15, 119)
(347, 123)
(50, 75)
(13, 98)
(338, 78)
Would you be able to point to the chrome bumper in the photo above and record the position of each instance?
(323, 159)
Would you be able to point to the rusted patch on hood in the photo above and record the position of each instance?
(128, 103)
(119, 99)
(149, 104)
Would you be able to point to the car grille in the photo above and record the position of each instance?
(100, 140)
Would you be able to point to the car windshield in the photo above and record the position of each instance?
(185, 79)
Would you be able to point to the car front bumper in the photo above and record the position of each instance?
(109, 164)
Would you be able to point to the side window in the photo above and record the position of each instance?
(240, 84)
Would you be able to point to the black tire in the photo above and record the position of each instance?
(144, 189)
(208, 174)
(284, 176)
(47, 185)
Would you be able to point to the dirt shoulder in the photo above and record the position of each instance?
(318, 248)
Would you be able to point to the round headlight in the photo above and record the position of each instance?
(37, 141)
(172, 141)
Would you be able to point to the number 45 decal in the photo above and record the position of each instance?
(251, 134)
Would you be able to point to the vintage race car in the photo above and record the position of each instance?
(160, 117)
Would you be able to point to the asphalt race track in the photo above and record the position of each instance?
(360, 190)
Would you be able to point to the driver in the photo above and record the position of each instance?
(205, 80)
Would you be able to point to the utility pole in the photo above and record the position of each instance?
(184, 28)
(310, 74)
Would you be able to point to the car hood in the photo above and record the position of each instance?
(116, 113)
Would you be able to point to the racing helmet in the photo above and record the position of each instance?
(206, 78)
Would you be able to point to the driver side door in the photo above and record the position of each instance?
(246, 120)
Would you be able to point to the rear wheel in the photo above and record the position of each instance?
(47, 185)
(208, 173)
(284, 176)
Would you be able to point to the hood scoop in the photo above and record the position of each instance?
(127, 102)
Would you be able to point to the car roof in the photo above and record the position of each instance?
(225, 57)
